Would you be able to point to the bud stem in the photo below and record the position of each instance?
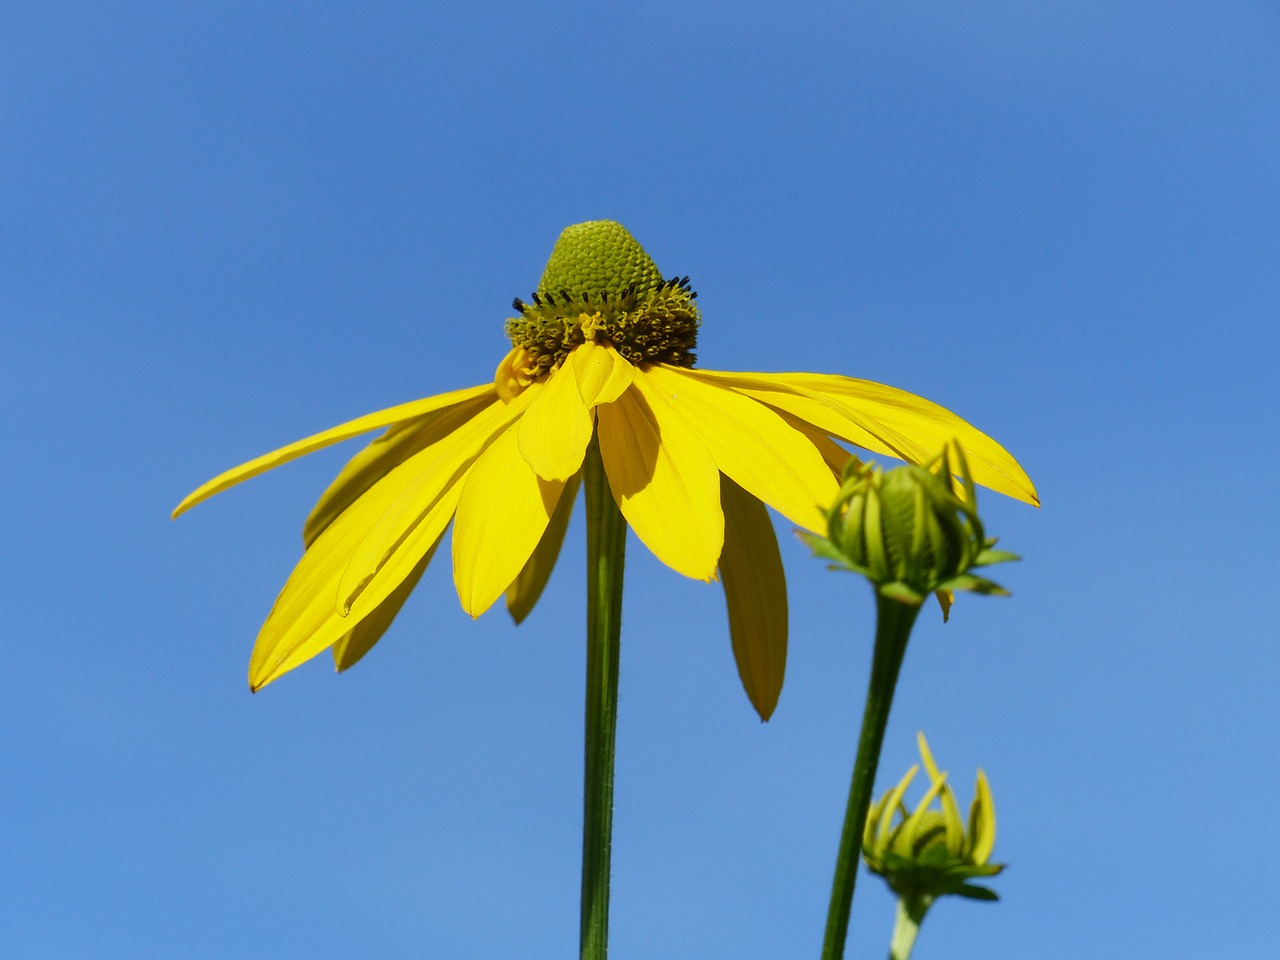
(894, 620)
(606, 546)
(906, 926)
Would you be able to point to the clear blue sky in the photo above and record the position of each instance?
(224, 226)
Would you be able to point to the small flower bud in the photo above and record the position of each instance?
(908, 531)
(931, 852)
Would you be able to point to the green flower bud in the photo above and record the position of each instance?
(930, 852)
(908, 531)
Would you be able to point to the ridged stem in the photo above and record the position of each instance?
(893, 628)
(606, 551)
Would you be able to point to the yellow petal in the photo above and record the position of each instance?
(884, 420)
(833, 455)
(664, 480)
(515, 372)
(753, 445)
(501, 517)
(556, 429)
(352, 428)
(529, 584)
(755, 591)
(384, 552)
(400, 442)
(304, 621)
(602, 373)
(932, 426)
(355, 643)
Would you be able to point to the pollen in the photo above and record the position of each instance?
(601, 286)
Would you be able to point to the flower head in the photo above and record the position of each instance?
(604, 349)
(929, 852)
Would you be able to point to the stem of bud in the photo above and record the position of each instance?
(893, 628)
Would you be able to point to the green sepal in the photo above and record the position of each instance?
(894, 863)
(988, 557)
(901, 592)
(971, 892)
(824, 548)
(934, 856)
(974, 584)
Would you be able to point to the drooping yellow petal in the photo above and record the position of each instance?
(555, 430)
(884, 420)
(932, 426)
(372, 463)
(344, 431)
(355, 643)
(304, 620)
(527, 587)
(602, 373)
(401, 562)
(829, 417)
(383, 551)
(501, 516)
(833, 455)
(751, 444)
(755, 590)
(664, 480)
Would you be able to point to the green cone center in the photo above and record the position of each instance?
(600, 285)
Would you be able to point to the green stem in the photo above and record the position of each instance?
(893, 629)
(606, 547)
(906, 926)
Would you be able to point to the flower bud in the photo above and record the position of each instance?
(908, 531)
(930, 852)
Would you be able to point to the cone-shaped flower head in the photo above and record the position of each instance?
(908, 531)
(930, 851)
(693, 457)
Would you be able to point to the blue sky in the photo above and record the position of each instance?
(225, 226)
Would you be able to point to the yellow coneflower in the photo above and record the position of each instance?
(603, 353)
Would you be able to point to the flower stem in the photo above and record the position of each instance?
(606, 548)
(893, 628)
(906, 926)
